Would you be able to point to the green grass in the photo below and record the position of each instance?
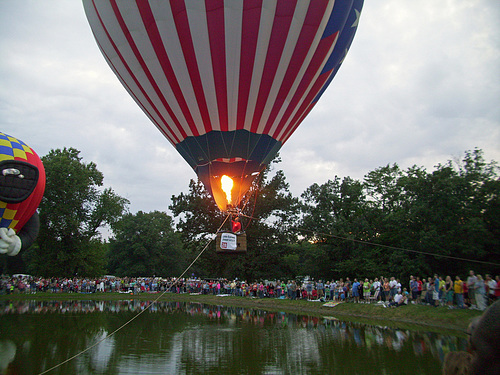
(415, 317)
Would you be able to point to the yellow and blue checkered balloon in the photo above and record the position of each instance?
(22, 182)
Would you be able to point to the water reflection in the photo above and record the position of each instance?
(194, 338)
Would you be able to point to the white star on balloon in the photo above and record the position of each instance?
(355, 24)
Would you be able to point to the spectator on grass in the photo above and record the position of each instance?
(399, 300)
(442, 291)
(376, 287)
(387, 290)
(366, 290)
(458, 289)
(435, 292)
(309, 289)
(420, 289)
(413, 289)
(393, 288)
(355, 290)
(471, 281)
(321, 289)
(480, 293)
(491, 285)
(448, 289)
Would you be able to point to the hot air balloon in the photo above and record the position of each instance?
(226, 82)
(22, 183)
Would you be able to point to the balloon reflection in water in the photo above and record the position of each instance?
(362, 335)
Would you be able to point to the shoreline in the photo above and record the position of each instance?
(414, 317)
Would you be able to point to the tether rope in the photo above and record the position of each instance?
(139, 313)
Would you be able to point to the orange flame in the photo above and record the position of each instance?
(227, 185)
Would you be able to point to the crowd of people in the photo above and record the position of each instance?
(472, 292)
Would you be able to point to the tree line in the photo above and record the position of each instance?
(393, 222)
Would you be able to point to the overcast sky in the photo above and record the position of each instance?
(420, 85)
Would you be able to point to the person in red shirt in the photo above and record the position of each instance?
(236, 225)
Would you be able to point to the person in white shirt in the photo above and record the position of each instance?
(471, 281)
(392, 284)
(399, 300)
(492, 285)
(376, 288)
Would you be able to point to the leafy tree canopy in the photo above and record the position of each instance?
(72, 210)
(146, 244)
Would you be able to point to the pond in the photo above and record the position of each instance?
(193, 338)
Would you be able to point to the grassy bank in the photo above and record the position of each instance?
(411, 316)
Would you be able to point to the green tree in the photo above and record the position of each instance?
(390, 209)
(146, 244)
(455, 210)
(333, 215)
(72, 210)
(450, 212)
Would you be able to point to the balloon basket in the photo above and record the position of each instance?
(221, 246)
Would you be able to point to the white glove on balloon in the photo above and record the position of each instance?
(10, 243)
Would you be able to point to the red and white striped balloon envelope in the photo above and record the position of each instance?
(226, 82)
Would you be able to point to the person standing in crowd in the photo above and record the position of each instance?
(309, 289)
(425, 290)
(387, 290)
(458, 289)
(398, 286)
(321, 289)
(294, 290)
(442, 291)
(420, 289)
(376, 288)
(333, 287)
(366, 290)
(480, 293)
(491, 285)
(471, 282)
(355, 290)
(435, 292)
(339, 290)
(393, 288)
(448, 289)
(347, 288)
(413, 289)
(465, 294)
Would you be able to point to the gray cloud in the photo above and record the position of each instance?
(420, 85)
